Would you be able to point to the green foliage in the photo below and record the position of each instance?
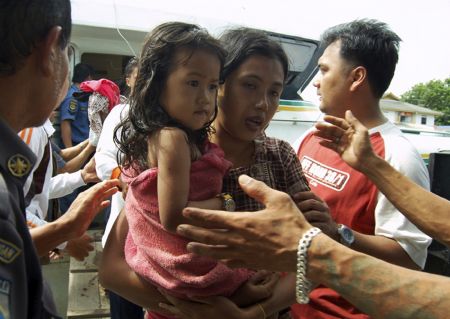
(434, 95)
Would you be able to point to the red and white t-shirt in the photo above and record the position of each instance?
(355, 202)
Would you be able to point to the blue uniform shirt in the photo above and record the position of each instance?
(76, 112)
(22, 291)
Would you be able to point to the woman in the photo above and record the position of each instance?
(253, 78)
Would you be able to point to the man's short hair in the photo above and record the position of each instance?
(367, 43)
(23, 24)
(81, 72)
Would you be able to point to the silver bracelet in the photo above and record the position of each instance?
(303, 285)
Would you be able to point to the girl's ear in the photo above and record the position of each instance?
(357, 76)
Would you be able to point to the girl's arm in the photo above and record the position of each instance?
(173, 157)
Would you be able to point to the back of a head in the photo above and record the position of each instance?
(23, 24)
(82, 72)
(242, 43)
(367, 43)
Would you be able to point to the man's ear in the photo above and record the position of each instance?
(47, 51)
(358, 75)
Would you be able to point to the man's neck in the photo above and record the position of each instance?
(12, 109)
(369, 113)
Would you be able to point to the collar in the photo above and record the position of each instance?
(16, 158)
(48, 127)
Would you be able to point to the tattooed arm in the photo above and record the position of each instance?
(375, 287)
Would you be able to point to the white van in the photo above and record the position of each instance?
(106, 34)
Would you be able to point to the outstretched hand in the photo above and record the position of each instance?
(86, 206)
(266, 239)
(347, 137)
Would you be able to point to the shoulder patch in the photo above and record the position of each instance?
(5, 290)
(8, 252)
(73, 105)
(19, 165)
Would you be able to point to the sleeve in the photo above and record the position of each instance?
(106, 154)
(389, 222)
(295, 179)
(64, 184)
(298, 142)
(68, 108)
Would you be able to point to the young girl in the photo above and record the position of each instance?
(169, 162)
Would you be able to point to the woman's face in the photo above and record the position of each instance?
(131, 80)
(249, 97)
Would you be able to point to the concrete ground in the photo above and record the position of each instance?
(57, 275)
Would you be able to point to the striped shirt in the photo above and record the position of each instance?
(276, 164)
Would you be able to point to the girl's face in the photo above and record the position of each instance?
(249, 97)
(190, 92)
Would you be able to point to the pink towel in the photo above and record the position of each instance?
(160, 256)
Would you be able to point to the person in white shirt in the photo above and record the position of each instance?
(40, 186)
(107, 167)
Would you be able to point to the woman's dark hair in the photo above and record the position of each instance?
(242, 43)
(129, 68)
(23, 24)
(371, 44)
(155, 62)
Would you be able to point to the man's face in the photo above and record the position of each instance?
(334, 83)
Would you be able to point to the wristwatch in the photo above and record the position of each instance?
(346, 234)
(228, 203)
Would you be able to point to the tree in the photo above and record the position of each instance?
(434, 95)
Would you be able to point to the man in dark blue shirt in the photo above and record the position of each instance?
(73, 112)
(33, 72)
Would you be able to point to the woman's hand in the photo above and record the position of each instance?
(216, 307)
(258, 288)
(316, 212)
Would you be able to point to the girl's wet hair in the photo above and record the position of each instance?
(155, 62)
(242, 43)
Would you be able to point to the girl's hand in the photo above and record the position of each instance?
(258, 288)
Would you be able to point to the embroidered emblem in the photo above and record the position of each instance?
(5, 290)
(73, 106)
(8, 251)
(19, 165)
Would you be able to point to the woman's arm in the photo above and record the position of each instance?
(173, 156)
(77, 161)
(113, 266)
(68, 153)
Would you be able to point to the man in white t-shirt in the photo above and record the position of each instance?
(356, 69)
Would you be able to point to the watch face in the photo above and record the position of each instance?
(230, 205)
(347, 235)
